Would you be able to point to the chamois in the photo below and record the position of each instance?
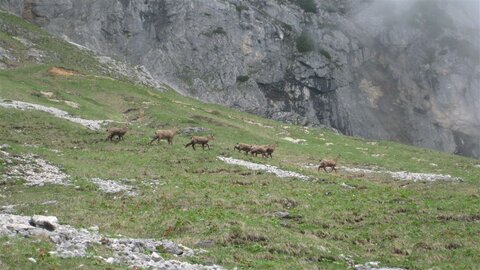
(258, 149)
(200, 140)
(324, 163)
(242, 147)
(119, 132)
(269, 149)
(164, 135)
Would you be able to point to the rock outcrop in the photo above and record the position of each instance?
(399, 70)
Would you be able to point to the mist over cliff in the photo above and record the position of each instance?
(399, 70)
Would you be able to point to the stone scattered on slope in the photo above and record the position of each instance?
(268, 168)
(406, 176)
(109, 186)
(8, 209)
(35, 171)
(296, 141)
(374, 266)
(48, 223)
(402, 175)
(20, 105)
(4, 147)
(138, 74)
(72, 242)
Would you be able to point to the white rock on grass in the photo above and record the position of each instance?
(8, 209)
(402, 175)
(20, 105)
(49, 223)
(296, 141)
(374, 266)
(407, 176)
(268, 168)
(35, 171)
(72, 242)
(109, 186)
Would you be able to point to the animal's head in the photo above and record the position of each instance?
(236, 147)
(210, 137)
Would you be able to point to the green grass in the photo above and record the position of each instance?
(417, 226)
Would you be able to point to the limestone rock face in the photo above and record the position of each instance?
(399, 70)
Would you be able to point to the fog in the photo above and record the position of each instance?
(462, 15)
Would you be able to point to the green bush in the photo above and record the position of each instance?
(307, 5)
(325, 53)
(304, 43)
(219, 31)
(242, 78)
(241, 8)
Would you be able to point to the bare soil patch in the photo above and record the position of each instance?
(60, 71)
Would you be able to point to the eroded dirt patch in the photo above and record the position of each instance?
(60, 71)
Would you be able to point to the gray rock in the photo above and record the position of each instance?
(71, 242)
(282, 214)
(109, 186)
(156, 257)
(49, 223)
(8, 209)
(4, 147)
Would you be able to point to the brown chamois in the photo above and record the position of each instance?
(258, 149)
(164, 135)
(269, 149)
(119, 132)
(200, 140)
(242, 147)
(324, 163)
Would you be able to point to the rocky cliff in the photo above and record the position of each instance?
(399, 70)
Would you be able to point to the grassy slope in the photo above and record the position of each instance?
(201, 198)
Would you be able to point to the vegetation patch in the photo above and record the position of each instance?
(306, 5)
(243, 78)
(305, 43)
(219, 31)
(325, 53)
(241, 8)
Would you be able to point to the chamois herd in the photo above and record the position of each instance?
(265, 150)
